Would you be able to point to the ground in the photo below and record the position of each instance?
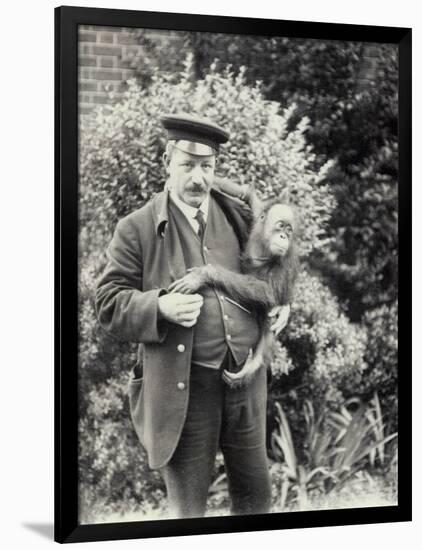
(362, 491)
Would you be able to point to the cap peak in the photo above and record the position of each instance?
(191, 128)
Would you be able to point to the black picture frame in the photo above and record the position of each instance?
(67, 20)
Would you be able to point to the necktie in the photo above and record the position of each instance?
(199, 216)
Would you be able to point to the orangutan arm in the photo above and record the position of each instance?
(246, 289)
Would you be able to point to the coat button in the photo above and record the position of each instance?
(228, 337)
(181, 348)
(181, 386)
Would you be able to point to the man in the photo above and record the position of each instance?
(181, 408)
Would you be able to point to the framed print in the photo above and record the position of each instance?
(232, 310)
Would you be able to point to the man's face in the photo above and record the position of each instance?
(190, 176)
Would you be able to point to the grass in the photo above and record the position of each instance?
(361, 491)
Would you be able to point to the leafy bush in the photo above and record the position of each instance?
(324, 344)
(381, 356)
(338, 445)
(323, 351)
(363, 263)
(113, 468)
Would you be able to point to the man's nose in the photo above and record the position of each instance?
(197, 174)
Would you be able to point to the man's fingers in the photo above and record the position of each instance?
(193, 299)
(189, 307)
(188, 312)
(186, 299)
(186, 318)
(188, 324)
(180, 308)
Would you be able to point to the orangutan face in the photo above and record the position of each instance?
(279, 229)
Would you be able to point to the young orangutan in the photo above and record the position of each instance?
(269, 269)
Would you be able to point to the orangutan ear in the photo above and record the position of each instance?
(285, 196)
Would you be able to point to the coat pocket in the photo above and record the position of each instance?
(135, 387)
(134, 392)
(238, 305)
(136, 405)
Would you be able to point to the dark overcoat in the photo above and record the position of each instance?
(144, 257)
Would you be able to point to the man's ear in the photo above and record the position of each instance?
(166, 162)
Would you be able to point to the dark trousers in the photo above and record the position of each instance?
(234, 420)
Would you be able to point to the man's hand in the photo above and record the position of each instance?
(180, 308)
(280, 316)
(191, 282)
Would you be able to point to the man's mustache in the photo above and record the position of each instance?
(196, 187)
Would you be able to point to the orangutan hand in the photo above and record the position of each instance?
(237, 379)
(281, 315)
(194, 279)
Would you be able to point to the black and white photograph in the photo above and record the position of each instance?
(238, 267)
(230, 198)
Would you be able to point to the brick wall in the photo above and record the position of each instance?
(368, 67)
(105, 57)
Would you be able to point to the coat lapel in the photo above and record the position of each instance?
(173, 263)
(167, 236)
(238, 214)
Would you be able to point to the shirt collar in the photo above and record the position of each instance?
(190, 211)
(159, 207)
